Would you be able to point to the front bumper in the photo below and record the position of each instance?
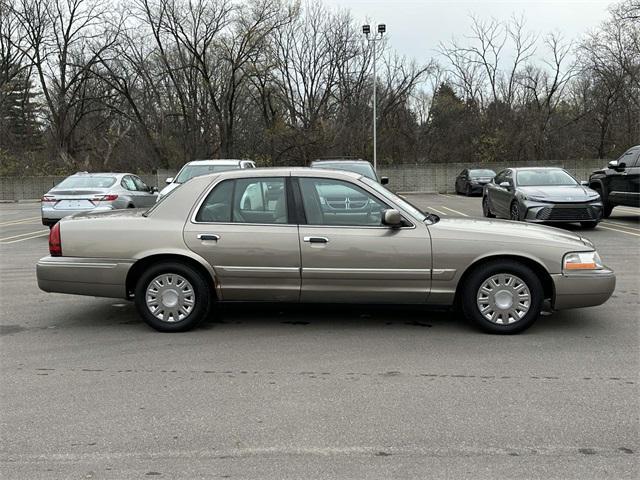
(582, 289)
(98, 277)
(539, 212)
(51, 215)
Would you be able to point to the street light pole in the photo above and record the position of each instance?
(381, 29)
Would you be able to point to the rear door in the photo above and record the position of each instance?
(143, 195)
(349, 256)
(244, 229)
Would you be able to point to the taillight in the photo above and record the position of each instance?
(55, 243)
(105, 198)
(47, 199)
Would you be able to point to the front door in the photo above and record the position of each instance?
(624, 186)
(349, 256)
(243, 230)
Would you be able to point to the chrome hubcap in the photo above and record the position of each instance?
(503, 299)
(170, 297)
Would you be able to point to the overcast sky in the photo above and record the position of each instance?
(416, 27)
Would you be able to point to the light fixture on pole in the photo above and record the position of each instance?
(366, 30)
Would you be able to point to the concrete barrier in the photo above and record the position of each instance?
(434, 178)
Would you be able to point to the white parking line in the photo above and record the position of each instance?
(24, 235)
(19, 221)
(437, 211)
(621, 231)
(25, 238)
(629, 210)
(620, 225)
(455, 211)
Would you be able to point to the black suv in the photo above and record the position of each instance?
(619, 183)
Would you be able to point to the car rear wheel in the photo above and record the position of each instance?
(589, 224)
(486, 210)
(503, 297)
(172, 297)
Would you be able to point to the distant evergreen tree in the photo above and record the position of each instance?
(19, 123)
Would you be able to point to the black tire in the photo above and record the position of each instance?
(130, 206)
(480, 275)
(486, 210)
(468, 192)
(606, 211)
(514, 211)
(201, 297)
(589, 225)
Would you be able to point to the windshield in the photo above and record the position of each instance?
(86, 182)
(405, 205)
(361, 168)
(539, 178)
(190, 171)
(482, 173)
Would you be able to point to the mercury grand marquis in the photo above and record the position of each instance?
(311, 235)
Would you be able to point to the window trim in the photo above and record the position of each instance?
(404, 214)
(208, 191)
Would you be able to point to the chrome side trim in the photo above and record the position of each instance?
(232, 268)
(78, 264)
(368, 273)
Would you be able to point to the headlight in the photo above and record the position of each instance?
(580, 261)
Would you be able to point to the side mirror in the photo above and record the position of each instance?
(168, 180)
(153, 189)
(391, 218)
(384, 180)
(613, 164)
(584, 183)
(505, 184)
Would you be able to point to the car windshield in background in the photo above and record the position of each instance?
(190, 171)
(86, 182)
(539, 178)
(412, 209)
(361, 168)
(481, 173)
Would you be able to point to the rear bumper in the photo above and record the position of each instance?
(51, 215)
(98, 277)
(583, 290)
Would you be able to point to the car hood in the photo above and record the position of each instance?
(506, 231)
(561, 193)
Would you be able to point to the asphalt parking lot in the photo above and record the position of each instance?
(89, 391)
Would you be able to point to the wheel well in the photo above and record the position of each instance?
(141, 265)
(539, 270)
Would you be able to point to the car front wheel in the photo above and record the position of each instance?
(502, 297)
(172, 297)
(514, 212)
(486, 210)
(589, 225)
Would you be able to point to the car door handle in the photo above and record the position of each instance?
(208, 236)
(316, 239)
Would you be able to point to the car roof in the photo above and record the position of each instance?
(535, 168)
(340, 160)
(283, 172)
(218, 161)
(99, 174)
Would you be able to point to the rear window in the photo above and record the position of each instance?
(87, 182)
(190, 171)
(482, 173)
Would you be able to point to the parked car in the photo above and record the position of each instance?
(201, 245)
(471, 181)
(619, 183)
(361, 167)
(542, 195)
(95, 192)
(203, 167)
